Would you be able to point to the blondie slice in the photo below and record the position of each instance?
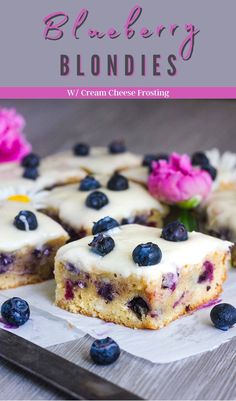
(141, 277)
(29, 241)
(78, 207)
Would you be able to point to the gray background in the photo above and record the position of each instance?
(28, 60)
(147, 125)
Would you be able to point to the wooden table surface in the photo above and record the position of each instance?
(183, 126)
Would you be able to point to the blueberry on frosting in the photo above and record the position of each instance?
(150, 158)
(118, 183)
(81, 149)
(102, 244)
(117, 146)
(174, 232)
(15, 311)
(199, 159)
(26, 221)
(211, 170)
(147, 254)
(31, 160)
(31, 173)
(96, 200)
(104, 224)
(89, 183)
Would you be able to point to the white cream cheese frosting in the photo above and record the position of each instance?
(119, 261)
(99, 160)
(13, 239)
(221, 210)
(137, 174)
(70, 203)
(50, 174)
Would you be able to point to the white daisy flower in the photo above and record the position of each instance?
(226, 168)
(22, 194)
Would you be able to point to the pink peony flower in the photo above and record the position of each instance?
(177, 181)
(13, 145)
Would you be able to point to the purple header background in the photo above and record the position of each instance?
(27, 59)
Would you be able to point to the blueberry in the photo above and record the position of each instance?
(106, 291)
(200, 159)
(104, 351)
(147, 254)
(15, 311)
(118, 182)
(211, 170)
(175, 232)
(139, 307)
(31, 173)
(208, 272)
(104, 224)
(26, 221)
(5, 262)
(81, 149)
(223, 316)
(89, 183)
(117, 146)
(102, 244)
(31, 160)
(96, 200)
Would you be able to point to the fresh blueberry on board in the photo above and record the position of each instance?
(116, 147)
(26, 221)
(147, 254)
(200, 159)
(104, 351)
(31, 173)
(81, 149)
(31, 160)
(96, 200)
(118, 183)
(175, 232)
(104, 224)
(211, 170)
(139, 307)
(223, 316)
(102, 244)
(15, 311)
(89, 183)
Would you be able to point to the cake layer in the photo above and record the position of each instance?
(115, 288)
(29, 265)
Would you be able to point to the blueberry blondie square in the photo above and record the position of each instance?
(29, 241)
(141, 277)
(78, 207)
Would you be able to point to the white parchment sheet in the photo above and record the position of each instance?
(185, 337)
